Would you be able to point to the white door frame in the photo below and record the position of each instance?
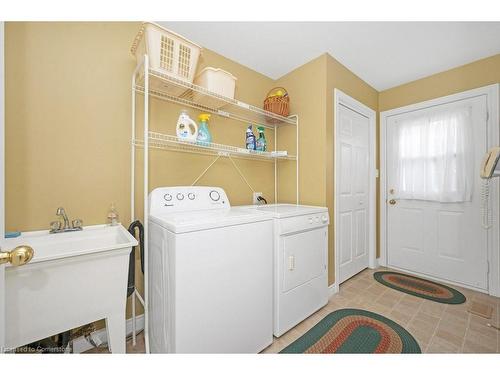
(2, 132)
(2, 184)
(340, 98)
(493, 131)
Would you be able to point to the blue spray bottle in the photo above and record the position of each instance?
(204, 137)
(250, 139)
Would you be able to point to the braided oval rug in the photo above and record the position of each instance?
(355, 331)
(419, 287)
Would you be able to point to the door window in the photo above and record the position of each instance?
(434, 156)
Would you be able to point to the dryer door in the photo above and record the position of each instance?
(304, 257)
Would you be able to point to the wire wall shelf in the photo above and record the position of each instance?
(152, 84)
(168, 88)
(172, 143)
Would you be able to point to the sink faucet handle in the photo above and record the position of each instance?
(55, 225)
(77, 223)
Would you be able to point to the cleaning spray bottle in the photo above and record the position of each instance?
(250, 138)
(204, 136)
(261, 144)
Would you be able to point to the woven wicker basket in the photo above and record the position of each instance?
(277, 104)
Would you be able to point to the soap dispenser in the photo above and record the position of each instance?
(112, 215)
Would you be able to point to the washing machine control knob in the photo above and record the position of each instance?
(167, 197)
(310, 220)
(324, 218)
(191, 196)
(180, 196)
(214, 195)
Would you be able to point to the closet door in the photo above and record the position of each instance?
(354, 190)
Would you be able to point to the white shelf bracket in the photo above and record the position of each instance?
(228, 155)
(206, 170)
(240, 173)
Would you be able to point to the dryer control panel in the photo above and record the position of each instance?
(186, 198)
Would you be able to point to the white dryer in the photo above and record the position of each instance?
(210, 273)
(300, 262)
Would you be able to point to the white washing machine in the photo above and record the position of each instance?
(210, 273)
(300, 262)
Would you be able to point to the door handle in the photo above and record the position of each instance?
(392, 201)
(17, 257)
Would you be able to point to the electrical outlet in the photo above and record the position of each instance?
(254, 197)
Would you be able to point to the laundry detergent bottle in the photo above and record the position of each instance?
(250, 138)
(204, 136)
(261, 143)
(186, 128)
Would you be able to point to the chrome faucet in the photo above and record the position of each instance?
(60, 212)
(57, 226)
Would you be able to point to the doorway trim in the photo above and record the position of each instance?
(493, 131)
(2, 181)
(341, 98)
(2, 129)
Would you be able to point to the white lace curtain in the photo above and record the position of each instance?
(434, 156)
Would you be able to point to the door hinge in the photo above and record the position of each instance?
(487, 267)
(487, 116)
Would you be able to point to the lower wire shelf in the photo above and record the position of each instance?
(169, 142)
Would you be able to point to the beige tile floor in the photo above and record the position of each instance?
(438, 328)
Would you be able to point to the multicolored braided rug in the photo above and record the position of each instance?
(355, 331)
(420, 287)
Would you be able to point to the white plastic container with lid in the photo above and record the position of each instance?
(217, 81)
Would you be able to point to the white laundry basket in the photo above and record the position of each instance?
(169, 53)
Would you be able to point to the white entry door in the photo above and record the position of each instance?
(444, 240)
(353, 153)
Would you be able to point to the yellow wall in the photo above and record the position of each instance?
(68, 124)
(311, 89)
(68, 108)
(476, 74)
(306, 87)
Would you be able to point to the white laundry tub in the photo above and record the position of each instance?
(74, 278)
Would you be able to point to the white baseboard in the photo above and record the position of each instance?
(333, 289)
(375, 264)
(80, 344)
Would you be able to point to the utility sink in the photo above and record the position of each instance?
(92, 239)
(74, 278)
